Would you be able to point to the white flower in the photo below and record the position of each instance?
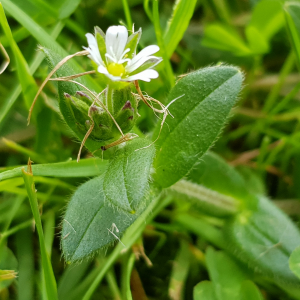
(116, 58)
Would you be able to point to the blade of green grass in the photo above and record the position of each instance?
(26, 80)
(47, 268)
(24, 243)
(9, 102)
(182, 13)
(161, 44)
(84, 168)
(127, 14)
(292, 10)
(41, 35)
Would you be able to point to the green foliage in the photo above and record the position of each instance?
(208, 95)
(213, 225)
(292, 10)
(126, 180)
(259, 240)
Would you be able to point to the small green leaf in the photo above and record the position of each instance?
(126, 180)
(257, 41)
(267, 18)
(229, 182)
(207, 97)
(177, 25)
(204, 291)
(225, 274)
(67, 8)
(264, 239)
(91, 223)
(294, 262)
(224, 37)
(249, 291)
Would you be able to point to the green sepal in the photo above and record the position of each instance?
(132, 43)
(101, 42)
(103, 124)
(123, 106)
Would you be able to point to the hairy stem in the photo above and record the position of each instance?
(206, 196)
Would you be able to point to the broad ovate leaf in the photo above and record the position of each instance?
(91, 223)
(127, 176)
(206, 98)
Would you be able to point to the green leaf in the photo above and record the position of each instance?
(257, 41)
(229, 182)
(292, 11)
(83, 168)
(68, 7)
(126, 180)
(249, 291)
(294, 262)
(46, 263)
(207, 97)
(267, 18)
(177, 25)
(264, 239)
(226, 275)
(91, 223)
(204, 291)
(224, 37)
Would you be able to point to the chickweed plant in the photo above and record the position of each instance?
(150, 150)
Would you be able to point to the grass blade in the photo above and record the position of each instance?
(182, 13)
(84, 168)
(46, 264)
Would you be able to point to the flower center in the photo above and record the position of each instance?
(116, 69)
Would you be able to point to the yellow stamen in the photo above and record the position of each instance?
(116, 69)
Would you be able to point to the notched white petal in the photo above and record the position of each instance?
(93, 49)
(116, 40)
(145, 75)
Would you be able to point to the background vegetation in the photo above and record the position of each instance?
(185, 245)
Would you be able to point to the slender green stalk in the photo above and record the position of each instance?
(202, 228)
(129, 238)
(161, 44)
(128, 270)
(47, 268)
(111, 279)
(16, 228)
(148, 10)
(283, 103)
(285, 71)
(127, 14)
